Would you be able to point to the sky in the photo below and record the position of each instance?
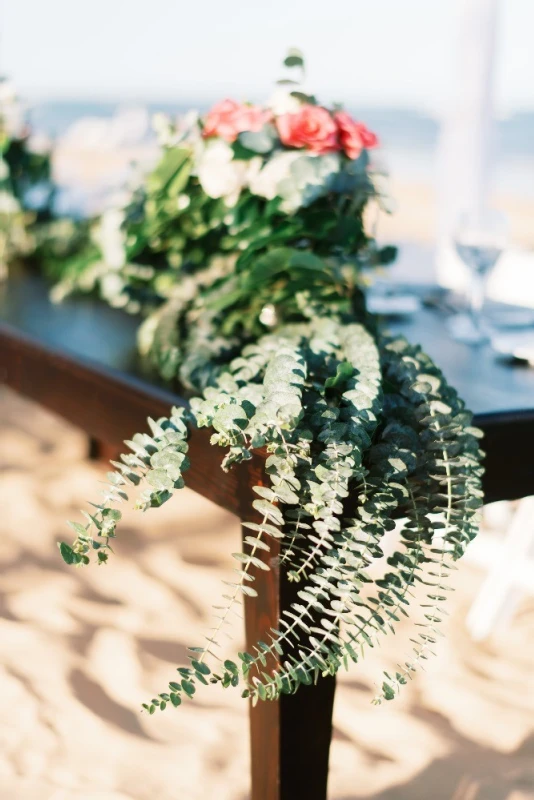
(375, 52)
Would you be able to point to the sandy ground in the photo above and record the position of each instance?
(81, 649)
(415, 215)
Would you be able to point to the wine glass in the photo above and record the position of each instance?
(479, 238)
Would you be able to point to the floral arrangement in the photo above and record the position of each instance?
(243, 249)
(25, 184)
(238, 181)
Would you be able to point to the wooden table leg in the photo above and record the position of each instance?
(290, 739)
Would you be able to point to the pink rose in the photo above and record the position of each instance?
(311, 127)
(228, 118)
(354, 136)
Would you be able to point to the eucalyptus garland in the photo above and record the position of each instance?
(363, 438)
(363, 435)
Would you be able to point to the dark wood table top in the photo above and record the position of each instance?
(488, 383)
(79, 359)
(82, 326)
(100, 339)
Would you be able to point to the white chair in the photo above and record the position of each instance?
(510, 564)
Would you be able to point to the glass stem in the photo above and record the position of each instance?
(477, 293)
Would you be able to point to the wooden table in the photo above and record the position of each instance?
(79, 360)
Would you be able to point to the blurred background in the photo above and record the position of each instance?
(448, 85)
(92, 73)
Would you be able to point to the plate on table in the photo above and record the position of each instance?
(392, 304)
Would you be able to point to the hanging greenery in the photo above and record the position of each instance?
(245, 247)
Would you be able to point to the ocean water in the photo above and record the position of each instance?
(409, 138)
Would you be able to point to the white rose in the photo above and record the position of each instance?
(266, 182)
(221, 175)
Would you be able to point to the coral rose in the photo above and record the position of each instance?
(227, 119)
(354, 136)
(312, 127)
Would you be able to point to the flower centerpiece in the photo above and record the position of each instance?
(238, 181)
(243, 248)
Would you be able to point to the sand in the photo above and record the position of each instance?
(415, 207)
(80, 649)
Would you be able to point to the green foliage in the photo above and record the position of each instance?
(160, 459)
(294, 58)
(172, 231)
(364, 436)
(258, 313)
(28, 169)
(25, 196)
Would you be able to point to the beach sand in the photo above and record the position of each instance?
(415, 215)
(80, 649)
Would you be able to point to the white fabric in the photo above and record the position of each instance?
(465, 149)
